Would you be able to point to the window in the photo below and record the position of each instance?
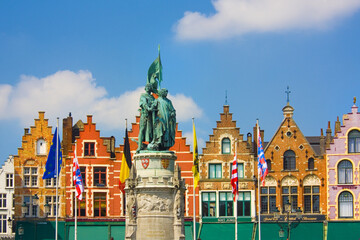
(268, 199)
(100, 176)
(3, 200)
(81, 205)
(354, 141)
(83, 175)
(226, 204)
(243, 204)
(9, 180)
(208, 204)
(99, 204)
(31, 209)
(225, 146)
(40, 147)
(89, 149)
(241, 170)
(311, 165)
(345, 172)
(311, 199)
(268, 163)
(290, 194)
(289, 160)
(3, 223)
(51, 200)
(345, 205)
(215, 170)
(50, 182)
(30, 176)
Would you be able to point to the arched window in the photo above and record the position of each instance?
(225, 146)
(345, 205)
(289, 160)
(345, 172)
(311, 165)
(268, 163)
(40, 147)
(354, 141)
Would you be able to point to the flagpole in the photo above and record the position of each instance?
(57, 177)
(76, 209)
(258, 133)
(236, 197)
(194, 203)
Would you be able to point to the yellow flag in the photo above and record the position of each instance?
(195, 167)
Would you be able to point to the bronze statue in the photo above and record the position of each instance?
(164, 123)
(146, 118)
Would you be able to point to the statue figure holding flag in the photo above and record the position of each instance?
(158, 116)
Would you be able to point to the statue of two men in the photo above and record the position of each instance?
(157, 121)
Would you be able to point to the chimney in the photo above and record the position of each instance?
(337, 126)
(322, 143)
(67, 135)
(328, 136)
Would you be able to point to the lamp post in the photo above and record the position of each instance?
(287, 224)
(24, 209)
(47, 209)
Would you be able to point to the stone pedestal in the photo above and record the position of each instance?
(155, 198)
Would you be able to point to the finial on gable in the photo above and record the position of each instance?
(288, 95)
(226, 102)
(354, 100)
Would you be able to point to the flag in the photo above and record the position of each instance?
(195, 167)
(50, 167)
(156, 70)
(78, 183)
(126, 162)
(262, 166)
(234, 178)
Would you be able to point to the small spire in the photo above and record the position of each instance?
(226, 101)
(288, 95)
(354, 100)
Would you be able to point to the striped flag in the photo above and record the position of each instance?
(234, 178)
(195, 167)
(79, 187)
(262, 165)
(125, 163)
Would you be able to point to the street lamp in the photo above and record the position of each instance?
(47, 209)
(288, 225)
(24, 209)
(35, 200)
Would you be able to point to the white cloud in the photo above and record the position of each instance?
(237, 17)
(67, 91)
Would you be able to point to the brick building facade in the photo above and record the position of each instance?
(29, 166)
(297, 172)
(216, 198)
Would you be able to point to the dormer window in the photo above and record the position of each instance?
(41, 147)
(225, 146)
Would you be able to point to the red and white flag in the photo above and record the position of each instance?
(234, 178)
(262, 166)
(79, 187)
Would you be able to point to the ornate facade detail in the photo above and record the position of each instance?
(270, 181)
(289, 181)
(311, 180)
(153, 204)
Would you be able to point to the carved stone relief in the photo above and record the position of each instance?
(153, 204)
(311, 180)
(289, 181)
(270, 181)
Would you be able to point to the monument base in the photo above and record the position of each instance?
(155, 198)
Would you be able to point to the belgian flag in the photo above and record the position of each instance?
(126, 162)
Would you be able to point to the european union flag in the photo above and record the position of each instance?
(50, 167)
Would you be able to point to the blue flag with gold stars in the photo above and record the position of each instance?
(50, 167)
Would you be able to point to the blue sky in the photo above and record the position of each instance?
(92, 57)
